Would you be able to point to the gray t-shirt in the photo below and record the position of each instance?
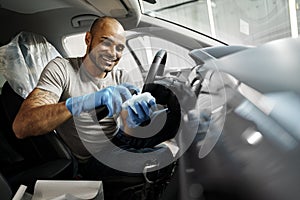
(68, 78)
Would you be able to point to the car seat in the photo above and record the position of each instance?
(40, 157)
(5, 191)
(23, 161)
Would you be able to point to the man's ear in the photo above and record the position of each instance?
(88, 38)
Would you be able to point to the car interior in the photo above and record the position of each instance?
(231, 130)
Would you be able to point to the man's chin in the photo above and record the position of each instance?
(108, 70)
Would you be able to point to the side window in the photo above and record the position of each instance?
(144, 47)
(74, 45)
(128, 63)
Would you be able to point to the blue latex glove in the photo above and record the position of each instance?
(112, 97)
(140, 108)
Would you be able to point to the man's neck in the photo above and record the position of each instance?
(92, 69)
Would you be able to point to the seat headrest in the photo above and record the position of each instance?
(23, 59)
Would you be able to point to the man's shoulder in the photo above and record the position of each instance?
(75, 62)
(62, 62)
(59, 59)
(57, 62)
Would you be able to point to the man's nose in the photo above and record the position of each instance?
(112, 50)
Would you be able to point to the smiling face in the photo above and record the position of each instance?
(105, 45)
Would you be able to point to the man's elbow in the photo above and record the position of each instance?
(18, 130)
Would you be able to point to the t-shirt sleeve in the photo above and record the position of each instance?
(53, 77)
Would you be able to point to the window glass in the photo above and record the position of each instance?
(128, 63)
(145, 47)
(249, 22)
(75, 45)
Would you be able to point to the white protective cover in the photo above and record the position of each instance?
(23, 59)
(68, 190)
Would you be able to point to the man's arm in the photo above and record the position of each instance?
(39, 114)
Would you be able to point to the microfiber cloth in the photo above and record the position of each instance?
(146, 96)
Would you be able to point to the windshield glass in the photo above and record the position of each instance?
(248, 22)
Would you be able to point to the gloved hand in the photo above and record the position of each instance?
(112, 97)
(140, 108)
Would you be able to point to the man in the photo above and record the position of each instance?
(70, 89)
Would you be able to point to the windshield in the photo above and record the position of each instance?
(248, 22)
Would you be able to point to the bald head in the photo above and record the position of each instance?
(103, 23)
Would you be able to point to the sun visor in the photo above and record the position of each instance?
(126, 11)
(23, 59)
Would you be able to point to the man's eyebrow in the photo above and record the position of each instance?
(107, 38)
(111, 40)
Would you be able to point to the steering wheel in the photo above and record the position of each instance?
(165, 96)
(157, 67)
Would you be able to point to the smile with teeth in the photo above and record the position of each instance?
(108, 61)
